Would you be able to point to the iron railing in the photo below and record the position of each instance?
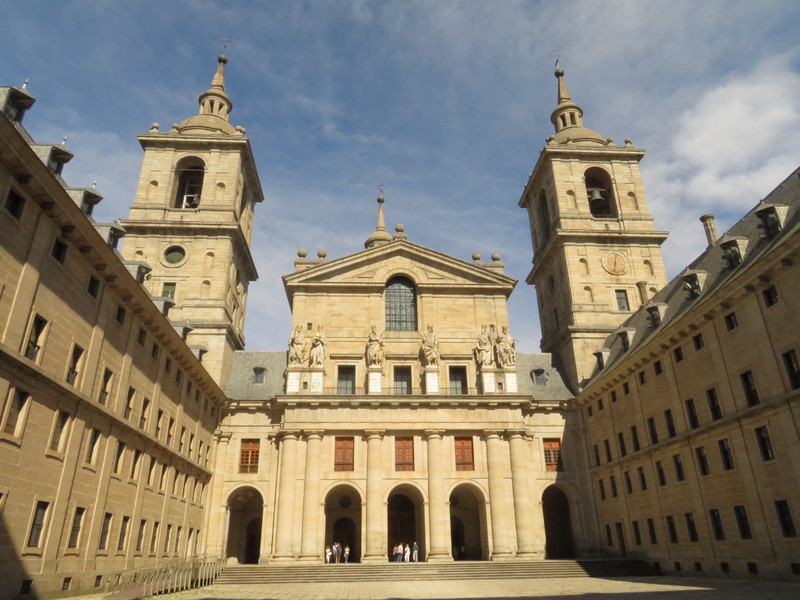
(163, 579)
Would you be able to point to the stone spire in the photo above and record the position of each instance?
(381, 236)
(215, 106)
(568, 117)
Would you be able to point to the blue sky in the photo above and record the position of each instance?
(445, 103)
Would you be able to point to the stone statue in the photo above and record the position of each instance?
(483, 348)
(319, 348)
(430, 347)
(297, 347)
(505, 347)
(375, 346)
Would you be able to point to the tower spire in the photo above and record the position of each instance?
(381, 236)
(568, 117)
(215, 106)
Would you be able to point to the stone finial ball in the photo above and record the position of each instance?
(381, 199)
(629, 141)
(399, 228)
(322, 253)
(222, 58)
(175, 125)
(302, 253)
(476, 256)
(559, 72)
(496, 256)
(154, 126)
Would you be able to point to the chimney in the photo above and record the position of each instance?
(711, 229)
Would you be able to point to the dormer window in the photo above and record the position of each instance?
(190, 173)
(15, 102)
(772, 218)
(733, 250)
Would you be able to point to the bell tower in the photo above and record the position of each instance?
(596, 254)
(191, 222)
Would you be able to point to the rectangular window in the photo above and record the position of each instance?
(38, 524)
(168, 365)
(635, 438)
(716, 524)
(670, 422)
(145, 413)
(784, 513)
(628, 482)
(731, 322)
(167, 538)
(602, 488)
(702, 460)
(651, 427)
(790, 360)
(698, 342)
(15, 415)
(248, 456)
(673, 533)
(74, 364)
(154, 352)
(642, 479)
(678, 463)
(126, 414)
(458, 380)
(642, 378)
(607, 447)
(662, 478)
(123, 533)
(75, 530)
(178, 539)
(105, 386)
(104, 531)
(59, 251)
(182, 440)
(637, 535)
(168, 290)
(622, 300)
(651, 530)
(190, 448)
(770, 296)
(59, 438)
(178, 375)
(14, 204)
(118, 457)
(609, 539)
(691, 414)
(713, 404)
(154, 536)
(35, 338)
(159, 420)
(141, 337)
(403, 454)
(140, 536)
(742, 522)
(725, 454)
(93, 287)
(599, 404)
(346, 382)
(151, 471)
(402, 380)
(162, 480)
(596, 455)
(170, 431)
(137, 457)
(658, 369)
(92, 446)
(677, 353)
(621, 439)
(749, 387)
(764, 443)
(119, 317)
(465, 460)
(626, 388)
(552, 454)
(344, 454)
(691, 527)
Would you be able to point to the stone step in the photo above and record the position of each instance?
(314, 573)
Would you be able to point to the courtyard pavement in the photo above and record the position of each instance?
(584, 588)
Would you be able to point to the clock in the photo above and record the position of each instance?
(615, 263)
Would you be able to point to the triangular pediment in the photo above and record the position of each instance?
(426, 267)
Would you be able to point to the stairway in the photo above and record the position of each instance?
(315, 573)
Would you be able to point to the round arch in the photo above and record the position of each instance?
(343, 509)
(469, 539)
(400, 303)
(245, 505)
(190, 172)
(405, 517)
(559, 541)
(600, 192)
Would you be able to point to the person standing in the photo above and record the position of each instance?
(415, 552)
(327, 554)
(347, 553)
(407, 553)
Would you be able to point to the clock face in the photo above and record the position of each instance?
(615, 263)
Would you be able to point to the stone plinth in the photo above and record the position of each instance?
(374, 377)
(489, 380)
(431, 379)
(510, 375)
(316, 379)
(293, 379)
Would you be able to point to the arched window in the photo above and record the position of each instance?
(401, 305)
(599, 193)
(544, 217)
(190, 172)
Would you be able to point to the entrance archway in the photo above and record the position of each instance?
(557, 524)
(405, 519)
(343, 519)
(244, 530)
(468, 524)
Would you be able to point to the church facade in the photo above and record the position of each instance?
(659, 421)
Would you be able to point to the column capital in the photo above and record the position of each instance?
(493, 434)
(372, 434)
(223, 436)
(433, 433)
(516, 433)
(287, 435)
(313, 433)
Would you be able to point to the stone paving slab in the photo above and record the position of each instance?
(584, 588)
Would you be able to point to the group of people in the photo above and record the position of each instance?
(337, 554)
(405, 553)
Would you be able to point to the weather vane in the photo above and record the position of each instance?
(380, 188)
(556, 56)
(225, 41)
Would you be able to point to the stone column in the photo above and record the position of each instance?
(284, 518)
(226, 525)
(310, 546)
(375, 550)
(437, 511)
(526, 545)
(502, 511)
